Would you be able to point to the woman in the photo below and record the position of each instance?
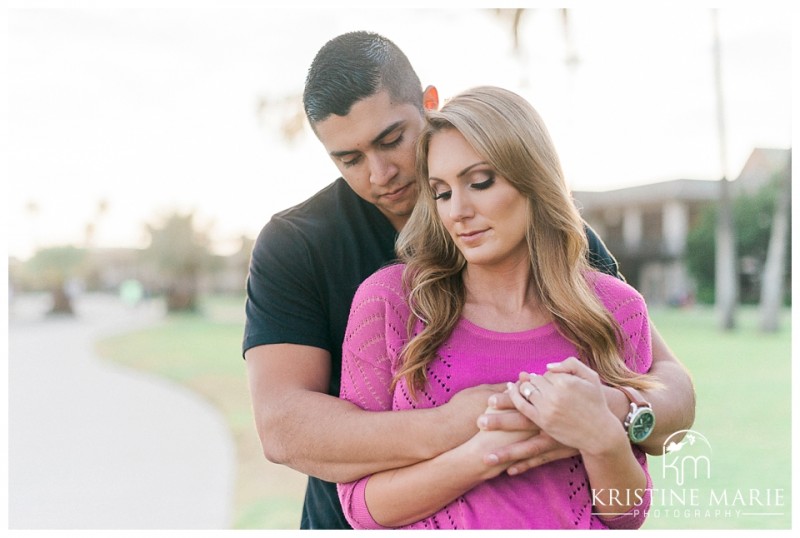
(494, 283)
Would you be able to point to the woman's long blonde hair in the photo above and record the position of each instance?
(506, 131)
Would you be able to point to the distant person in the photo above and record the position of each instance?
(365, 103)
(495, 281)
(131, 292)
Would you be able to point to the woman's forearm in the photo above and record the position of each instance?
(617, 480)
(424, 488)
(429, 486)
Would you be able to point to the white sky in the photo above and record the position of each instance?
(155, 109)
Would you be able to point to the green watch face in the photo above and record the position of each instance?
(642, 424)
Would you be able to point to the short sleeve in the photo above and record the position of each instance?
(284, 303)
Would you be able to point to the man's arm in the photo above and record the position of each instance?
(674, 403)
(321, 435)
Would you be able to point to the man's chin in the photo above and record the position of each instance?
(400, 209)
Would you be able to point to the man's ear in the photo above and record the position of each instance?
(430, 98)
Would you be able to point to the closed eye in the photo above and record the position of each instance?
(483, 185)
(394, 143)
(351, 162)
(347, 163)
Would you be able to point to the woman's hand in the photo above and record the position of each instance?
(568, 403)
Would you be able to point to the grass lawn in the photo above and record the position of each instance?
(743, 382)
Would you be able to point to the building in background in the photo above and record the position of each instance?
(646, 227)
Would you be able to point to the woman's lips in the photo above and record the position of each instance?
(472, 236)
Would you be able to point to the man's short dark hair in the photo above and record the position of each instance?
(354, 66)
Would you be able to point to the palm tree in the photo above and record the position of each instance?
(53, 268)
(180, 254)
(33, 210)
(94, 224)
(515, 17)
(282, 115)
(772, 280)
(726, 281)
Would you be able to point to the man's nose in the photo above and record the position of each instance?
(381, 170)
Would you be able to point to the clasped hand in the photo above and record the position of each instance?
(564, 413)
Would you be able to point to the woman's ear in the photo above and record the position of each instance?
(430, 98)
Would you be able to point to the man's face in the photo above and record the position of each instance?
(374, 148)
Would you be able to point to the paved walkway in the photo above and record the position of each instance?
(95, 446)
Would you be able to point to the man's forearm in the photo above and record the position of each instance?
(674, 402)
(303, 427)
(335, 440)
(673, 405)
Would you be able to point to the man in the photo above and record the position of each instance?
(365, 103)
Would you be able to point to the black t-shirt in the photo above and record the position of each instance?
(305, 268)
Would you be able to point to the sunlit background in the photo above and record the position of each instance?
(117, 116)
(146, 148)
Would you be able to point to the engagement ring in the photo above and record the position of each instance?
(527, 390)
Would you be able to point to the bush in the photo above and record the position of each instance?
(753, 225)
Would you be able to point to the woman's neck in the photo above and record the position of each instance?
(503, 299)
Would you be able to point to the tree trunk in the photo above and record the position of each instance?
(726, 281)
(62, 302)
(772, 279)
(182, 294)
(726, 275)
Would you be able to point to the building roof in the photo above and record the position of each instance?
(762, 165)
(689, 190)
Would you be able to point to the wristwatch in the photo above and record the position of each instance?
(641, 420)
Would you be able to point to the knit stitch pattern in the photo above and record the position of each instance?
(553, 496)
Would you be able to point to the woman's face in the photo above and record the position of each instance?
(484, 214)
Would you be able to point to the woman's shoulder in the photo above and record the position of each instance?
(613, 291)
(381, 296)
(387, 280)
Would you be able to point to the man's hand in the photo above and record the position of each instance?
(464, 406)
(523, 455)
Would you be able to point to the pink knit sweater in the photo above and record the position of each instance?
(556, 495)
